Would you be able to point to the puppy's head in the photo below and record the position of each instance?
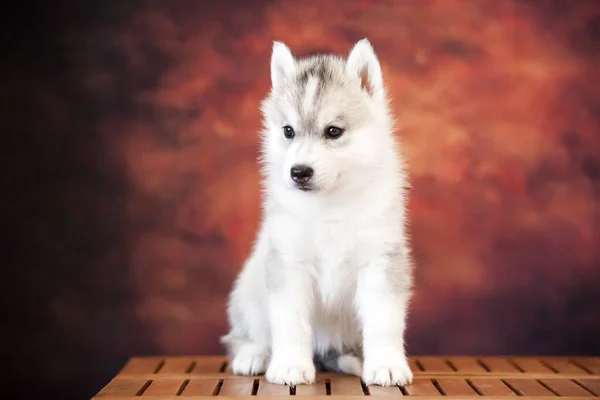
(322, 118)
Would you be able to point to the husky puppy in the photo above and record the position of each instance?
(329, 279)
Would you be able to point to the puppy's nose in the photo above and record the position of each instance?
(301, 173)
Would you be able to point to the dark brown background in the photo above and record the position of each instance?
(130, 195)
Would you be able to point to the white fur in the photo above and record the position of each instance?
(331, 268)
(282, 63)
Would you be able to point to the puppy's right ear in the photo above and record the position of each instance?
(283, 64)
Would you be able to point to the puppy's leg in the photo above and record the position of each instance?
(383, 292)
(248, 357)
(290, 303)
(248, 341)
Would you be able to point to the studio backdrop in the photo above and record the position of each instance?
(134, 195)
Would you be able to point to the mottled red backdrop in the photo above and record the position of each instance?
(131, 195)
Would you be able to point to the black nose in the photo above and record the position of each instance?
(301, 173)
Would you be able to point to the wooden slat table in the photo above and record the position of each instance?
(435, 377)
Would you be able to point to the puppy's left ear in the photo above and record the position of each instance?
(363, 63)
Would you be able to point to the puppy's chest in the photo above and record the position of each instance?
(336, 261)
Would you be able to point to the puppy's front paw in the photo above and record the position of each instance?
(291, 374)
(387, 373)
(249, 364)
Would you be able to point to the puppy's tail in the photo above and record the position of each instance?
(350, 364)
(343, 363)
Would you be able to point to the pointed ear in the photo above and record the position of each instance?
(282, 63)
(363, 63)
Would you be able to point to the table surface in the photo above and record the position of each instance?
(435, 377)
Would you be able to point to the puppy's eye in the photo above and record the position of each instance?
(333, 132)
(288, 132)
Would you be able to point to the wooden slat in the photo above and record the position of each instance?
(592, 385)
(422, 387)
(142, 365)
(565, 387)
(531, 365)
(269, 389)
(591, 364)
(434, 364)
(163, 388)
(200, 387)
(208, 365)
(492, 387)
(346, 385)
(237, 387)
(122, 387)
(563, 365)
(316, 389)
(499, 365)
(168, 378)
(177, 365)
(456, 387)
(529, 387)
(328, 398)
(466, 364)
(384, 390)
(412, 363)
